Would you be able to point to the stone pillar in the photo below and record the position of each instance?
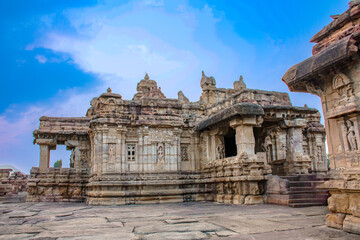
(45, 146)
(44, 157)
(205, 148)
(296, 161)
(281, 144)
(245, 140)
(212, 148)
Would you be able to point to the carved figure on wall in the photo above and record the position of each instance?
(205, 144)
(228, 189)
(84, 159)
(72, 158)
(236, 188)
(290, 144)
(320, 154)
(220, 149)
(111, 161)
(160, 153)
(351, 137)
(220, 188)
(267, 146)
(342, 85)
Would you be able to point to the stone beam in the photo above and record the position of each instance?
(240, 109)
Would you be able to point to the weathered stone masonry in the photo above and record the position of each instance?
(333, 74)
(153, 149)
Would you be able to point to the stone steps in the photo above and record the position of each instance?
(301, 191)
(300, 205)
(297, 195)
(306, 200)
(304, 183)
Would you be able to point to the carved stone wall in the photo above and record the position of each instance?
(333, 74)
(153, 149)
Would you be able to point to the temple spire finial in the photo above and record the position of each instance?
(146, 76)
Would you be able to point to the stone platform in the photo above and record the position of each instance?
(195, 220)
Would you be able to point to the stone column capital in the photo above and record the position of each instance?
(49, 142)
(251, 120)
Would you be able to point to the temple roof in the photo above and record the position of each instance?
(63, 125)
(148, 88)
(339, 21)
(239, 109)
(335, 54)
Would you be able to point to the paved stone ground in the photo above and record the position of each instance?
(166, 221)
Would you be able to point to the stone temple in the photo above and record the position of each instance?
(228, 147)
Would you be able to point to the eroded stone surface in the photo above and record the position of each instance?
(199, 220)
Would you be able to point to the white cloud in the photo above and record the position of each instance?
(155, 3)
(122, 42)
(119, 43)
(41, 58)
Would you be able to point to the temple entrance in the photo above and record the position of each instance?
(273, 146)
(230, 143)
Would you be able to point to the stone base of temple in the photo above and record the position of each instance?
(344, 202)
(347, 222)
(57, 185)
(345, 207)
(117, 189)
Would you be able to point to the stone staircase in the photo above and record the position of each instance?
(304, 191)
(299, 191)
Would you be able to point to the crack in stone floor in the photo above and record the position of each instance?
(196, 220)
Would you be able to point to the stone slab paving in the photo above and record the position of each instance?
(166, 221)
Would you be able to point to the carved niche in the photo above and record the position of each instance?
(84, 158)
(160, 152)
(319, 153)
(351, 135)
(112, 157)
(267, 146)
(342, 85)
(220, 148)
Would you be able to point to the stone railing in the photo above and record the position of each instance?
(57, 185)
(240, 179)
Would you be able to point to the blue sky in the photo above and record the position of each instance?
(57, 55)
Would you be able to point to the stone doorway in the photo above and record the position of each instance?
(230, 143)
